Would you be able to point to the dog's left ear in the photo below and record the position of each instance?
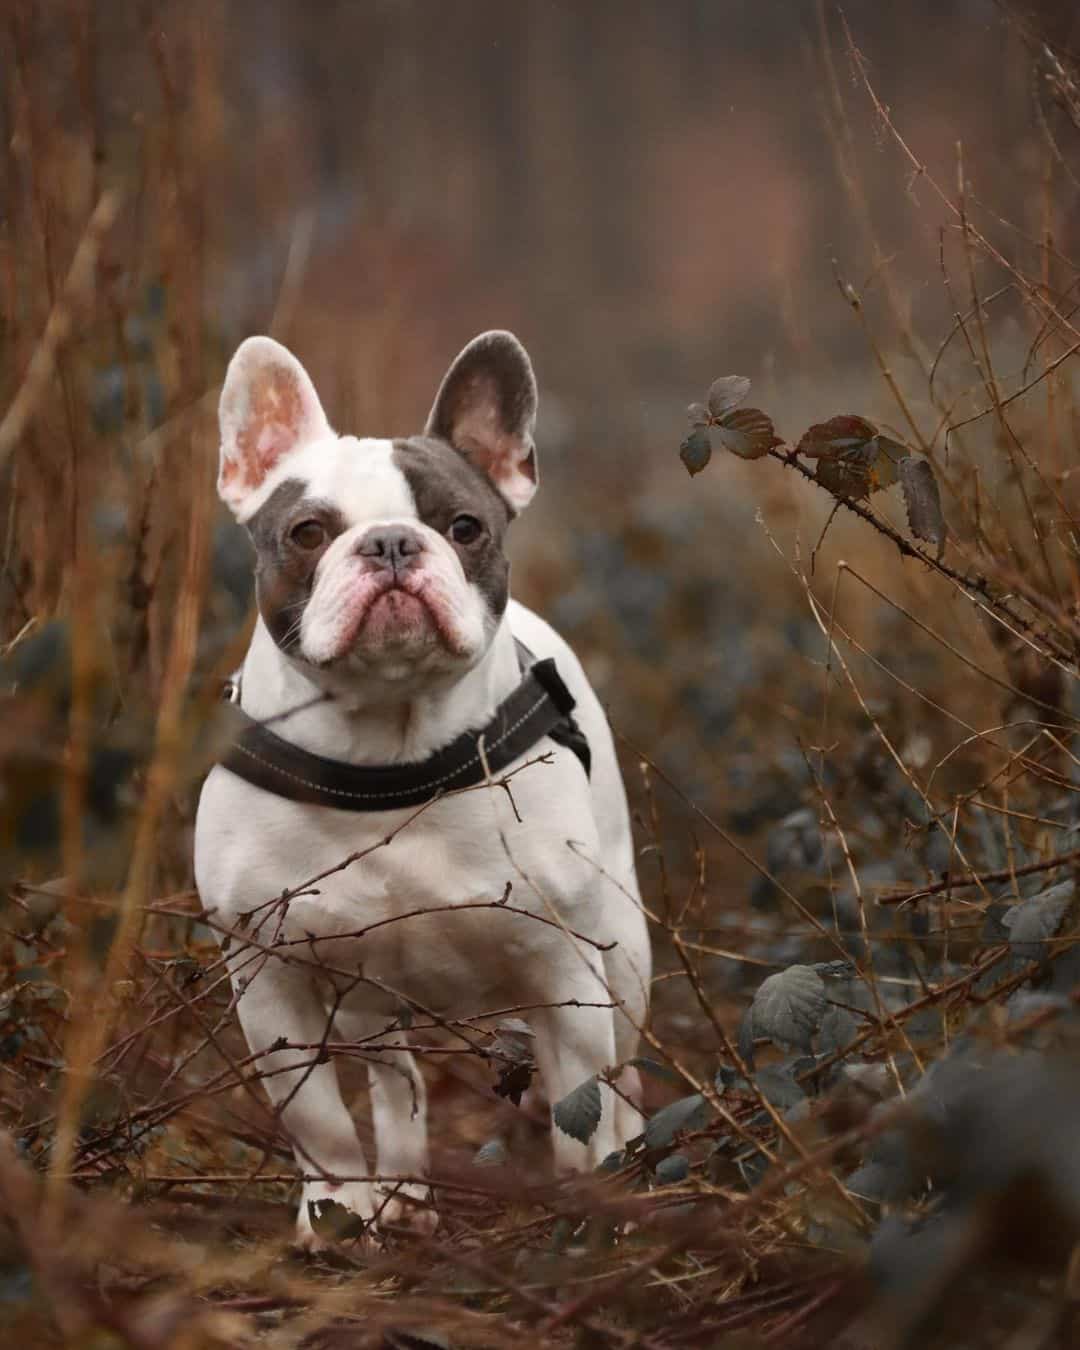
(268, 409)
(486, 409)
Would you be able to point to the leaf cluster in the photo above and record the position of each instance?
(853, 459)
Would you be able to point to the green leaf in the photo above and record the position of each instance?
(872, 1182)
(696, 451)
(746, 432)
(776, 1083)
(834, 970)
(673, 1169)
(727, 393)
(578, 1114)
(513, 1028)
(788, 1007)
(688, 1113)
(1034, 922)
(838, 1030)
(652, 1066)
(727, 1077)
(492, 1154)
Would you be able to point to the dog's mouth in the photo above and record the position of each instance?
(400, 619)
(397, 616)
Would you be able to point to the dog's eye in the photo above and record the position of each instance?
(465, 530)
(308, 534)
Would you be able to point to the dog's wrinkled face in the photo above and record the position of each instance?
(376, 558)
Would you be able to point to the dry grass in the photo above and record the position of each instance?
(851, 751)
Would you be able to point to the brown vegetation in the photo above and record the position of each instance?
(850, 739)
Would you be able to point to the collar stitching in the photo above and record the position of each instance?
(403, 792)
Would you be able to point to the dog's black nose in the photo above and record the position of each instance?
(391, 546)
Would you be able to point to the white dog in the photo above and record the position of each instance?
(390, 669)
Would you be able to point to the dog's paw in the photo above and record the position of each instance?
(331, 1214)
(408, 1206)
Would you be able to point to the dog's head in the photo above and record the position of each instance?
(380, 559)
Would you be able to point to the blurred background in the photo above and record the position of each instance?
(651, 194)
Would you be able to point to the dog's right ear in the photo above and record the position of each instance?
(268, 410)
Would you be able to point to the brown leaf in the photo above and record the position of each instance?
(853, 458)
(844, 477)
(923, 501)
(884, 466)
(748, 433)
(837, 436)
(513, 1081)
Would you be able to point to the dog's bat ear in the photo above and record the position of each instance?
(486, 409)
(268, 409)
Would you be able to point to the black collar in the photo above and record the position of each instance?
(540, 706)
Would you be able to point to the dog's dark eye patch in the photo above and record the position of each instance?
(444, 486)
(284, 569)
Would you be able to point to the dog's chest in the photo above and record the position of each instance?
(430, 907)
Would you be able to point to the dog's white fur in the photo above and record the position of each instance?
(569, 857)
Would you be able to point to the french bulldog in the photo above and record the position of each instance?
(385, 631)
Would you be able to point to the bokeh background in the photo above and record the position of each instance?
(650, 193)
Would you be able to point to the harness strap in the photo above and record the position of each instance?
(540, 706)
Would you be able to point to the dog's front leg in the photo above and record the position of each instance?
(399, 1119)
(281, 1003)
(573, 1044)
